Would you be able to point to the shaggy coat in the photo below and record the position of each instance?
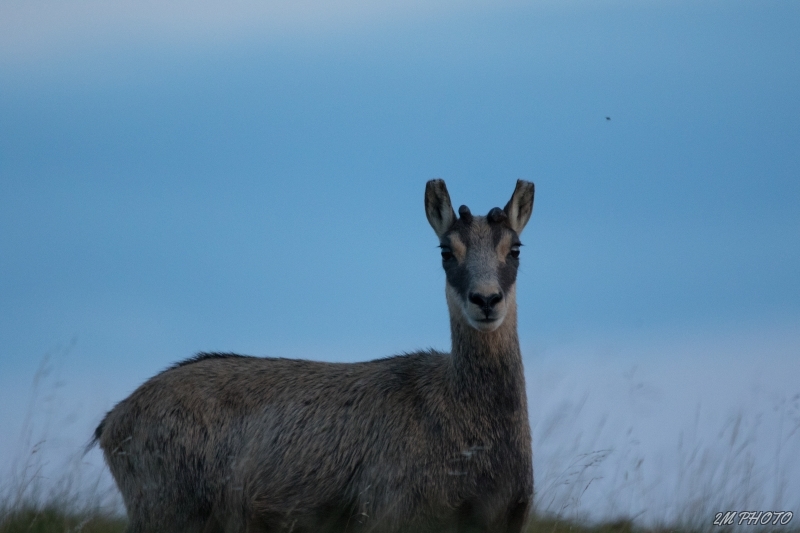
(425, 441)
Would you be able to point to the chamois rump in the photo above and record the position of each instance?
(424, 441)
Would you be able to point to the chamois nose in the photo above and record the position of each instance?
(486, 303)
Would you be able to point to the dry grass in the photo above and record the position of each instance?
(718, 479)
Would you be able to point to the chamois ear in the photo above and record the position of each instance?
(438, 208)
(520, 207)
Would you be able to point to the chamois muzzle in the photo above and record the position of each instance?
(486, 303)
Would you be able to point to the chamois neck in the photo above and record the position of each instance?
(487, 372)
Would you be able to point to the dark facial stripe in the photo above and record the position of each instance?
(507, 273)
(457, 274)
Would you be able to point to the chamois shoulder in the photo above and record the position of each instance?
(205, 356)
(430, 355)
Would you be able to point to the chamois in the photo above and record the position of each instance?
(424, 441)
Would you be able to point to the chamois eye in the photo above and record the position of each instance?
(514, 252)
(447, 254)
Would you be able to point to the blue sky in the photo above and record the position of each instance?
(249, 178)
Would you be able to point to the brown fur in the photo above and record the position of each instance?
(426, 441)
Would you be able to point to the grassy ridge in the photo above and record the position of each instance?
(52, 520)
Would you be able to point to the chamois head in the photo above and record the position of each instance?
(480, 255)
